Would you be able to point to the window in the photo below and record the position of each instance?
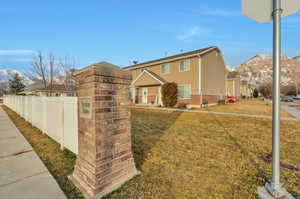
(184, 65)
(184, 91)
(165, 69)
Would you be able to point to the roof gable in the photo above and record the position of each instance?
(148, 78)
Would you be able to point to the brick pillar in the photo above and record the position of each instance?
(104, 160)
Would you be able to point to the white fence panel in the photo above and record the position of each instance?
(55, 116)
(28, 109)
(35, 111)
(39, 119)
(70, 120)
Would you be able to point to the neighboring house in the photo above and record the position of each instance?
(56, 91)
(246, 89)
(200, 76)
(237, 87)
(233, 84)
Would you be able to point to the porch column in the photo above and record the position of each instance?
(104, 160)
(133, 94)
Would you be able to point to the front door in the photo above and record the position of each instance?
(144, 95)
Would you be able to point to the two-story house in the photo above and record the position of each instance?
(200, 76)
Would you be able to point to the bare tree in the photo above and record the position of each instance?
(3, 88)
(53, 71)
(39, 69)
(44, 69)
(296, 80)
(265, 89)
(289, 89)
(67, 67)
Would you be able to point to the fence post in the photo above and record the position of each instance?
(104, 160)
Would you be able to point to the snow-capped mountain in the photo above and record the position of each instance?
(258, 70)
(7, 74)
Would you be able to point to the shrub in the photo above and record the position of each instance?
(169, 93)
(221, 101)
(255, 93)
(204, 103)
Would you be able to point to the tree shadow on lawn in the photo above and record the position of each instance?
(148, 126)
(242, 149)
(257, 157)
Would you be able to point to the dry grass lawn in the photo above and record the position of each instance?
(186, 155)
(297, 107)
(252, 100)
(255, 109)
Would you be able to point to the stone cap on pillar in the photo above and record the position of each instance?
(104, 69)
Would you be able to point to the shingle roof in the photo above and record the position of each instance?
(232, 75)
(199, 51)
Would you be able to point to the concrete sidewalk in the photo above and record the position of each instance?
(22, 173)
(291, 110)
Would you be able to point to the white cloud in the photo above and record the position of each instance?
(16, 52)
(193, 32)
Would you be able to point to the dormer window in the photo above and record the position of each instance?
(184, 65)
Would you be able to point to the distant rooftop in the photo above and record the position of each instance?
(232, 75)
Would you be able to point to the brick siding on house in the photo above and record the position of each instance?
(195, 100)
(212, 99)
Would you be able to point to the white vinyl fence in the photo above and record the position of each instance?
(55, 116)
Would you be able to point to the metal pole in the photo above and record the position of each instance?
(276, 92)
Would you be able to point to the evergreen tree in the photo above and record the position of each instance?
(16, 85)
(255, 93)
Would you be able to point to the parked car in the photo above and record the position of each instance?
(287, 99)
(297, 97)
(231, 99)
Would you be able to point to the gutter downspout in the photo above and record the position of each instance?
(200, 79)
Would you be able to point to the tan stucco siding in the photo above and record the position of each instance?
(153, 90)
(230, 87)
(213, 74)
(245, 91)
(233, 87)
(145, 79)
(237, 87)
(174, 75)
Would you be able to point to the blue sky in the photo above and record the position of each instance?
(122, 31)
